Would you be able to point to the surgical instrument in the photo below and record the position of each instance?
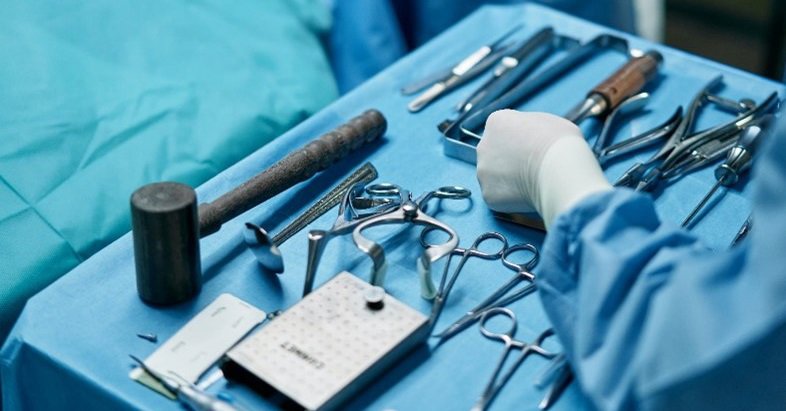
(461, 138)
(515, 65)
(266, 250)
(354, 207)
(187, 394)
(299, 165)
(679, 153)
(737, 162)
(148, 337)
(503, 295)
(623, 83)
(411, 211)
(167, 224)
(446, 285)
(743, 232)
(562, 376)
(704, 148)
(358, 205)
(497, 382)
(460, 73)
(645, 139)
(624, 109)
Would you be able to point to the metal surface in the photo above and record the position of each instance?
(497, 382)
(516, 64)
(737, 162)
(355, 206)
(446, 284)
(326, 347)
(643, 140)
(411, 211)
(187, 394)
(743, 232)
(684, 152)
(629, 106)
(462, 138)
(266, 249)
(503, 295)
(460, 73)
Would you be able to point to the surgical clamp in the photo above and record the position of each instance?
(446, 285)
(496, 383)
(644, 175)
(705, 147)
(411, 211)
(502, 296)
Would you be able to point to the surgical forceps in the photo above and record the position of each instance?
(411, 211)
(496, 383)
(605, 152)
(502, 296)
(445, 284)
(684, 152)
(466, 69)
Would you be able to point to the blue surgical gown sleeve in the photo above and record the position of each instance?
(651, 319)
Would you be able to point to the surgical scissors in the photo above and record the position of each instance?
(411, 211)
(496, 383)
(446, 285)
(502, 296)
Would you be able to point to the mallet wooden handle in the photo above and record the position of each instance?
(296, 167)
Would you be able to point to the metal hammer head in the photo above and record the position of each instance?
(166, 243)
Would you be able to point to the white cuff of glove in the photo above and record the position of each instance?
(536, 161)
(568, 174)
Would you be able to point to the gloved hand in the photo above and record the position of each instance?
(536, 162)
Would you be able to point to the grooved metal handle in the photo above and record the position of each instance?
(296, 167)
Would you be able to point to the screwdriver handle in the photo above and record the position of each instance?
(297, 166)
(629, 79)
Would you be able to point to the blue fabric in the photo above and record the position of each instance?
(369, 35)
(653, 319)
(71, 343)
(97, 99)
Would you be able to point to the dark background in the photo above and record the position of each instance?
(746, 34)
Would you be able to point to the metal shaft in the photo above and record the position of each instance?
(625, 82)
(365, 174)
(701, 204)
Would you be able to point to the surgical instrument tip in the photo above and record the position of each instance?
(187, 394)
(743, 232)
(701, 204)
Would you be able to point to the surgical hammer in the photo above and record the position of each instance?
(167, 225)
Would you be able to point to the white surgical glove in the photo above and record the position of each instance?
(536, 162)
